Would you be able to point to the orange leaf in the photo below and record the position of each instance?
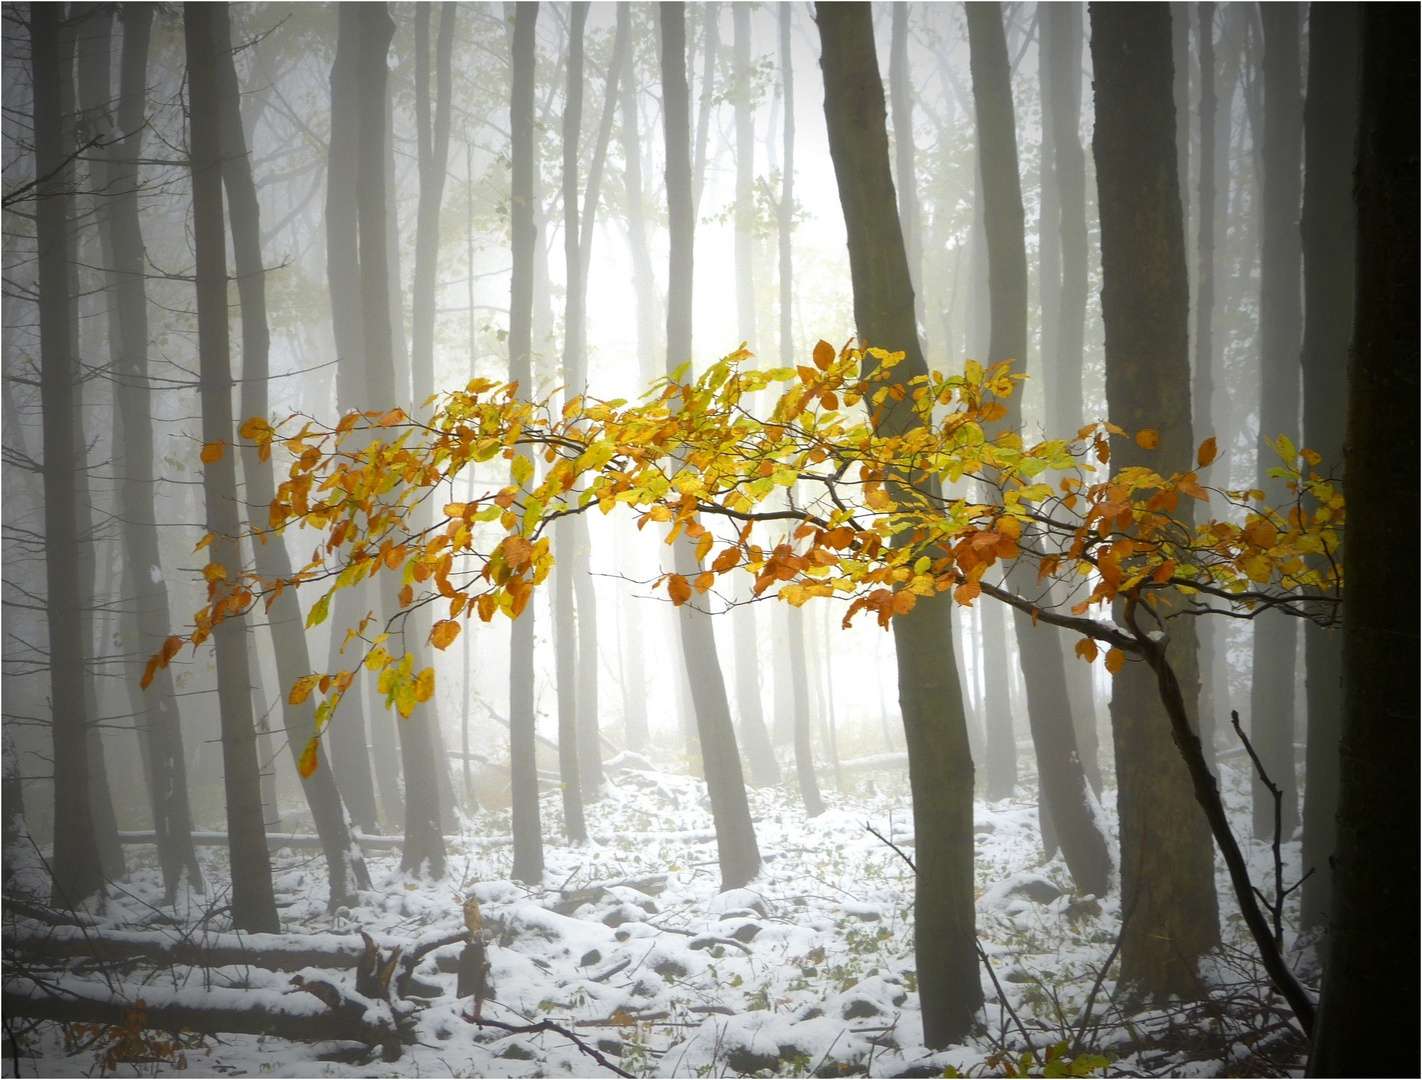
(966, 594)
(1086, 649)
(1208, 452)
(727, 560)
(302, 689)
(1115, 660)
(678, 588)
(407, 596)
(393, 417)
(310, 759)
(212, 452)
(1148, 438)
(824, 354)
(904, 602)
(704, 581)
(443, 633)
(1188, 484)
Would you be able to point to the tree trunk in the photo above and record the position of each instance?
(424, 839)
(736, 845)
(644, 282)
(1167, 865)
(905, 176)
(1369, 983)
(711, 45)
(253, 905)
(527, 832)
(1271, 700)
(565, 620)
(1202, 378)
(1329, 241)
(349, 750)
(800, 688)
(940, 766)
(155, 711)
(761, 755)
(75, 866)
(84, 41)
(1069, 804)
(285, 622)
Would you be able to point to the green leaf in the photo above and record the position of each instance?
(319, 611)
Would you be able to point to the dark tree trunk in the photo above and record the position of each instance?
(155, 711)
(735, 835)
(761, 755)
(527, 832)
(565, 620)
(1066, 798)
(1329, 242)
(905, 177)
(1271, 697)
(75, 866)
(424, 839)
(1369, 981)
(940, 766)
(1202, 378)
(350, 754)
(1167, 864)
(285, 622)
(253, 905)
(84, 42)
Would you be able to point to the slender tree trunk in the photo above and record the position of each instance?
(1067, 799)
(905, 177)
(940, 766)
(804, 755)
(424, 839)
(350, 753)
(711, 46)
(759, 752)
(644, 283)
(1329, 236)
(253, 905)
(155, 711)
(735, 835)
(527, 832)
(75, 867)
(1202, 378)
(565, 620)
(1280, 337)
(84, 41)
(1369, 982)
(1167, 864)
(285, 622)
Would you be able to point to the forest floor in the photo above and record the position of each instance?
(808, 971)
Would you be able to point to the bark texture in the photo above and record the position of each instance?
(1167, 865)
(1369, 983)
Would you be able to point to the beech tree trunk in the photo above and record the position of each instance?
(1167, 862)
(1280, 335)
(1329, 236)
(156, 712)
(1068, 805)
(527, 832)
(760, 754)
(736, 846)
(940, 765)
(905, 177)
(253, 904)
(285, 622)
(75, 867)
(1369, 982)
(350, 752)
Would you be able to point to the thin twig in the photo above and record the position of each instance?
(557, 1029)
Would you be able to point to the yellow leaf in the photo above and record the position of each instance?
(703, 546)
(425, 684)
(302, 690)
(310, 759)
(1115, 660)
(1148, 438)
(214, 571)
(212, 451)
(443, 633)
(1257, 567)
(1208, 452)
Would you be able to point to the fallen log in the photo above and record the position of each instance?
(274, 952)
(316, 1013)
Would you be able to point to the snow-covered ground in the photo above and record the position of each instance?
(808, 971)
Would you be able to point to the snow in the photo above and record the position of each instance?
(631, 945)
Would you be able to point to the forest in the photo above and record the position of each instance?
(713, 539)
